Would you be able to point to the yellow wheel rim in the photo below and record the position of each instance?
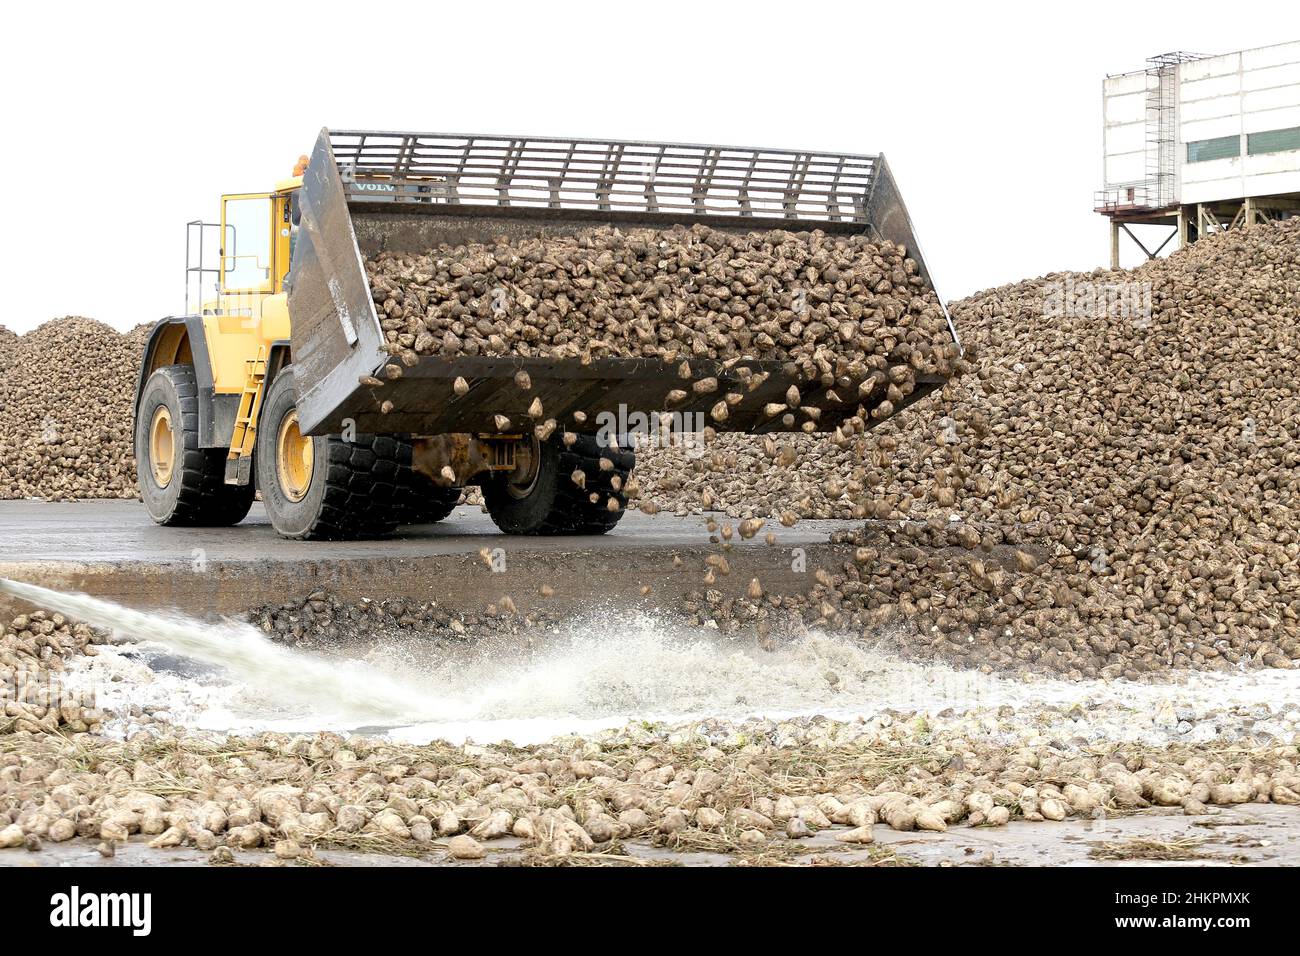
(162, 446)
(528, 458)
(293, 458)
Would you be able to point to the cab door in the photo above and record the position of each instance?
(248, 278)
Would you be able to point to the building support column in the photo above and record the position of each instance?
(1248, 206)
(1182, 227)
(1114, 244)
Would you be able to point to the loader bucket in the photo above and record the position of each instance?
(368, 192)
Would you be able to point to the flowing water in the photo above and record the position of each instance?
(579, 677)
(243, 652)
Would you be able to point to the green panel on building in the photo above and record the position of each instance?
(1221, 147)
(1273, 141)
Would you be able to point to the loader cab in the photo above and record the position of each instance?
(257, 237)
(236, 269)
(231, 264)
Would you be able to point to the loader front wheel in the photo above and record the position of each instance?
(180, 482)
(322, 487)
(541, 496)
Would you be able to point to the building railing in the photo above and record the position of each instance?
(1130, 197)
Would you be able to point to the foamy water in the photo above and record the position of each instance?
(589, 674)
(246, 655)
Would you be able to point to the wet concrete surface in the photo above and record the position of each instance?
(111, 549)
(121, 531)
(1249, 835)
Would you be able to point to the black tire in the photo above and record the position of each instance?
(195, 492)
(553, 503)
(424, 502)
(353, 488)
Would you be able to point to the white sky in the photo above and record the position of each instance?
(122, 122)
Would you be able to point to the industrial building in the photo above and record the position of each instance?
(1201, 144)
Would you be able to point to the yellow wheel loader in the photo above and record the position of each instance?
(262, 385)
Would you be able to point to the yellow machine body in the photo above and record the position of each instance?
(250, 312)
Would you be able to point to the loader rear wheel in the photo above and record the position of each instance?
(322, 487)
(180, 482)
(540, 496)
(426, 502)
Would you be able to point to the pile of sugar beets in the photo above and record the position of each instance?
(67, 390)
(748, 787)
(1114, 492)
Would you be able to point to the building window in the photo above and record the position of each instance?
(1273, 141)
(1221, 147)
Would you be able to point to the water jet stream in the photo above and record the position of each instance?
(247, 655)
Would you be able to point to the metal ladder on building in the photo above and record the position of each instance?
(1162, 128)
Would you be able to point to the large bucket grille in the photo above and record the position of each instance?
(606, 176)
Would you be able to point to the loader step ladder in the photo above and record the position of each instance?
(239, 463)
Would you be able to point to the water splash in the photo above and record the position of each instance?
(603, 669)
(248, 657)
(588, 673)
